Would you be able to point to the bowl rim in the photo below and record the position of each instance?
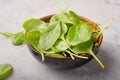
(95, 26)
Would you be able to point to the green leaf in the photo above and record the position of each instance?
(63, 30)
(5, 71)
(66, 18)
(73, 14)
(33, 36)
(83, 47)
(87, 48)
(74, 20)
(61, 45)
(49, 37)
(17, 39)
(34, 23)
(79, 34)
(55, 18)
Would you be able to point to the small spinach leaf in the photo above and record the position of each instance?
(33, 36)
(66, 18)
(34, 23)
(5, 71)
(17, 39)
(55, 18)
(61, 45)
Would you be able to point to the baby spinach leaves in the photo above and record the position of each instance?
(64, 35)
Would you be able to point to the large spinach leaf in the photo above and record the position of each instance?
(79, 34)
(49, 37)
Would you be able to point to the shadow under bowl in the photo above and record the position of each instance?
(66, 63)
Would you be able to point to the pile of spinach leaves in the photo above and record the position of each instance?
(65, 35)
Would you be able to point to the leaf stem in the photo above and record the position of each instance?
(104, 28)
(64, 54)
(42, 55)
(97, 59)
(76, 55)
(71, 55)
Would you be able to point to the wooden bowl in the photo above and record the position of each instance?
(66, 63)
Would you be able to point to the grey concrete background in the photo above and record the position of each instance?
(14, 12)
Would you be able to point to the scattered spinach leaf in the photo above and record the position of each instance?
(17, 39)
(5, 70)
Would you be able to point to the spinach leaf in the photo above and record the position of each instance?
(34, 23)
(73, 14)
(61, 45)
(74, 20)
(17, 39)
(55, 18)
(66, 18)
(63, 30)
(49, 37)
(5, 71)
(86, 48)
(79, 34)
(32, 38)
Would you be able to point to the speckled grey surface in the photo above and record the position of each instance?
(14, 12)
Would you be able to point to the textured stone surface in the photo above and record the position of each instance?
(14, 12)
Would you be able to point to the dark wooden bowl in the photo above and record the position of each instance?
(66, 63)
